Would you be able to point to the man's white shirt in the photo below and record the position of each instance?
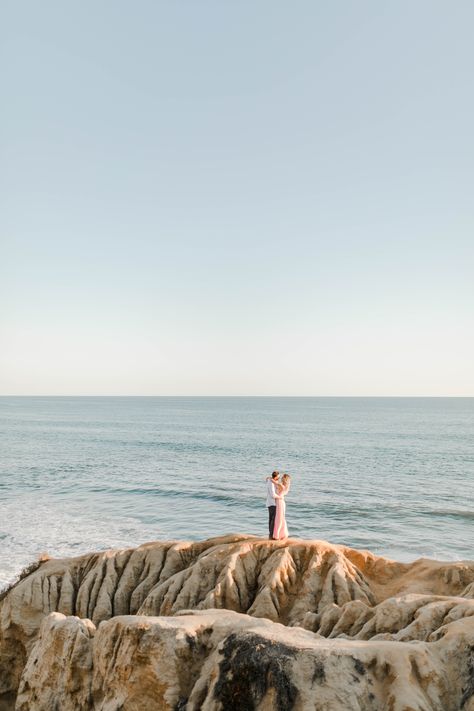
(271, 493)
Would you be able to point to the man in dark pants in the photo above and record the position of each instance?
(271, 503)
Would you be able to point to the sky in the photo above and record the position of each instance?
(251, 198)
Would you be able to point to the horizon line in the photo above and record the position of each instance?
(12, 395)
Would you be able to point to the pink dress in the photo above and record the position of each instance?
(280, 529)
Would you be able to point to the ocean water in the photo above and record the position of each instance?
(394, 475)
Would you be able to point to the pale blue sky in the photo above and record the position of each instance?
(237, 198)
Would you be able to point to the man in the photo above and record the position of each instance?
(271, 503)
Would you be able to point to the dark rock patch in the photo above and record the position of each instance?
(359, 667)
(251, 667)
(319, 674)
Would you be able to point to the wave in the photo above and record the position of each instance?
(447, 513)
(172, 446)
(332, 510)
(180, 493)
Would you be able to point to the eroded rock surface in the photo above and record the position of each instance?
(216, 659)
(416, 619)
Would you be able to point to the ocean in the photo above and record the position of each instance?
(78, 474)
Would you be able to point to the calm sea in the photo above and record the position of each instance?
(395, 475)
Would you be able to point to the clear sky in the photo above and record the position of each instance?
(242, 198)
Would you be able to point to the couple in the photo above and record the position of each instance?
(276, 492)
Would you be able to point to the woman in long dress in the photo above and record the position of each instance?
(280, 529)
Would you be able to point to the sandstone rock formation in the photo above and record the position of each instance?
(239, 623)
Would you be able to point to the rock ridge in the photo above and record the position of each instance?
(238, 617)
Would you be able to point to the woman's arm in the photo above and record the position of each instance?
(279, 491)
(282, 492)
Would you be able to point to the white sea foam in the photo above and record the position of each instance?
(37, 527)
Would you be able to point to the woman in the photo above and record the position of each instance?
(280, 529)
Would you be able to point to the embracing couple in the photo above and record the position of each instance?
(276, 492)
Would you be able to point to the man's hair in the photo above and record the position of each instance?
(275, 474)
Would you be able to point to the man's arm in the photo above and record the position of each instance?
(274, 490)
(271, 488)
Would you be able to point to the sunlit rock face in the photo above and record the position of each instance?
(239, 622)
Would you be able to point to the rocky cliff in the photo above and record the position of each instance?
(239, 623)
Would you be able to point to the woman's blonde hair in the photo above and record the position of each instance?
(286, 477)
